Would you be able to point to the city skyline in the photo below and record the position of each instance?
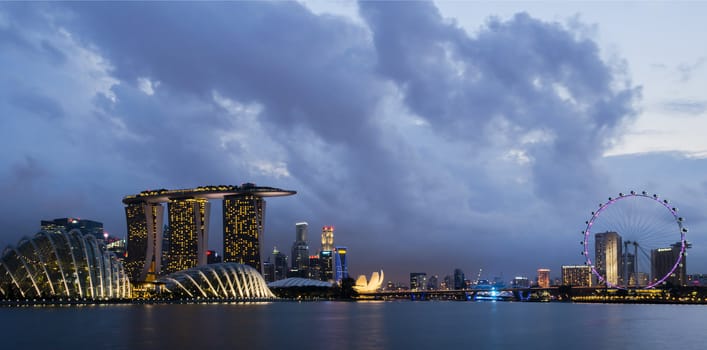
(432, 135)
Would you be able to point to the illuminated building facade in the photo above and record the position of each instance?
(243, 217)
(544, 278)
(326, 266)
(341, 265)
(154, 249)
(315, 268)
(189, 229)
(327, 238)
(280, 264)
(86, 227)
(418, 281)
(300, 251)
(520, 282)
(608, 256)
(144, 252)
(663, 260)
(577, 275)
(268, 270)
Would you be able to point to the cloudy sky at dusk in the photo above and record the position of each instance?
(432, 135)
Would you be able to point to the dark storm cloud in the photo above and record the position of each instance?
(416, 144)
(305, 70)
(533, 74)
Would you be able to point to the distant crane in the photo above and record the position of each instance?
(478, 276)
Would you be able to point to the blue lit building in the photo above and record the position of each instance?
(341, 265)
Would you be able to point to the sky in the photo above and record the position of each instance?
(432, 135)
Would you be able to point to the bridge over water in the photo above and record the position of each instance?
(505, 294)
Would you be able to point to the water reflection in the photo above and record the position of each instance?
(362, 325)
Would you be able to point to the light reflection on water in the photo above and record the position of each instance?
(362, 325)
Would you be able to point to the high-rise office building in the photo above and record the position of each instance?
(87, 227)
(544, 278)
(663, 260)
(577, 275)
(341, 265)
(280, 262)
(459, 280)
(326, 265)
(520, 282)
(608, 256)
(433, 282)
(300, 251)
(418, 281)
(243, 218)
(189, 229)
(315, 268)
(447, 283)
(143, 261)
(327, 238)
(268, 270)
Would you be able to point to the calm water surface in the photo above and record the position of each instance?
(362, 325)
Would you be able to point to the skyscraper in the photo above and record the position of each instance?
(326, 265)
(189, 229)
(327, 238)
(459, 279)
(433, 282)
(520, 282)
(243, 218)
(341, 265)
(663, 260)
(268, 270)
(144, 253)
(418, 281)
(577, 275)
(300, 251)
(608, 256)
(280, 262)
(544, 278)
(315, 268)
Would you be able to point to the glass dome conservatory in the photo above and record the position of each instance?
(61, 265)
(219, 281)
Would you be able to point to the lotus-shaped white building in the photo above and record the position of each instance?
(61, 265)
(372, 285)
(219, 281)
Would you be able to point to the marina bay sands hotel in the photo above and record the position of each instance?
(188, 214)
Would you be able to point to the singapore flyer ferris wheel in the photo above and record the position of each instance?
(635, 240)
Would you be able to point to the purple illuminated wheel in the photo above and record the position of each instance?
(635, 240)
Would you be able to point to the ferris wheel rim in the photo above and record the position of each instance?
(603, 206)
